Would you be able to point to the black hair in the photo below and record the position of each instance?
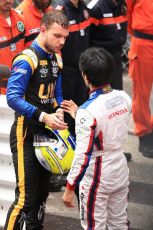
(55, 16)
(97, 64)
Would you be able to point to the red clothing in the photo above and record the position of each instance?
(140, 25)
(32, 18)
(140, 15)
(11, 40)
(141, 71)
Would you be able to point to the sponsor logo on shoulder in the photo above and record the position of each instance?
(19, 70)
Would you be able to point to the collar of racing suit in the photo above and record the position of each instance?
(101, 90)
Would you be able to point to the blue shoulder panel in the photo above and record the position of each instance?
(17, 85)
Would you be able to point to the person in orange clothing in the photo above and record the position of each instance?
(140, 26)
(32, 11)
(11, 37)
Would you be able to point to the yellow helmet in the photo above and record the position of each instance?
(55, 151)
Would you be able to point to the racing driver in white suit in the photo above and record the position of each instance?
(100, 167)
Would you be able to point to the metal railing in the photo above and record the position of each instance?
(125, 61)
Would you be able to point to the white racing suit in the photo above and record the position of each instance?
(100, 167)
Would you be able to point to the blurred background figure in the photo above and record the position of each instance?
(109, 31)
(140, 26)
(11, 37)
(4, 74)
(72, 82)
(32, 11)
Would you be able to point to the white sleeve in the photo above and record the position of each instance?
(85, 135)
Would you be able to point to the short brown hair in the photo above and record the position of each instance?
(55, 16)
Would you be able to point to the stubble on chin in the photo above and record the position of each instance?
(49, 49)
(52, 50)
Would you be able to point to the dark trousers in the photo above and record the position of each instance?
(32, 181)
(117, 78)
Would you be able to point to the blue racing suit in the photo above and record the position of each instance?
(34, 83)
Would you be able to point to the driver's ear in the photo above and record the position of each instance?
(43, 29)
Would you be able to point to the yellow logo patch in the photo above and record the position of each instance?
(43, 62)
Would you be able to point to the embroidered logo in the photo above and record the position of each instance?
(12, 47)
(20, 26)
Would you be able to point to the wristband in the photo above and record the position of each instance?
(41, 116)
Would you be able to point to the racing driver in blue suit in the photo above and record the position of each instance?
(34, 83)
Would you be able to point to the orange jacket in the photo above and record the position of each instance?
(11, 42)
(32, 17)
(140, 16)
(11, 38)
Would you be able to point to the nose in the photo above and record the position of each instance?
(62, 41)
